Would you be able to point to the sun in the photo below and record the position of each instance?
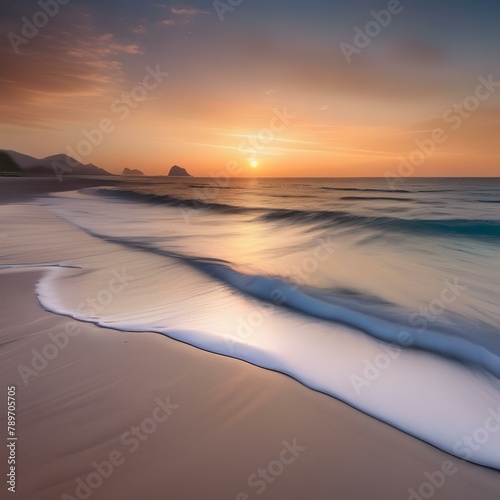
(254, 163)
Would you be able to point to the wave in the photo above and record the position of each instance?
(420, 394)
(212, 186)
(325, 188)
(164, 199)
(389, 190)
(326, 335)
(369, 198)
(479, 347)
(437, 227)
(457, 344)
(489, 229)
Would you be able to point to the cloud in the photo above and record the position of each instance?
(61, 78)
(187, 12)
(102, 46)
(182, 15)
(139, 30)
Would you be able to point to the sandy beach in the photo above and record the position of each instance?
(103, 414)
(249, 250)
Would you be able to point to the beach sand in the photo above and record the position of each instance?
(141, 416)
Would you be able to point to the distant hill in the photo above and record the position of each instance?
(132, 171)
(7, 164)
(176, 171)
(61, 163)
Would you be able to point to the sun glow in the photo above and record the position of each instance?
(254, 163)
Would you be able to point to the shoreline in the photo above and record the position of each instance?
(24, 188)
(233, 418)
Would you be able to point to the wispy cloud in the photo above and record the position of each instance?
(183, 15)
(61, 79)
(139, 30)
(187, 11)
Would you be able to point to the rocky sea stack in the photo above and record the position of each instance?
(176, 171)
(132, 171)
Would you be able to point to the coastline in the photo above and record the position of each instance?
(232, 418)
(25, 187)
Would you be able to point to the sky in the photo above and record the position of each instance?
(265, 88)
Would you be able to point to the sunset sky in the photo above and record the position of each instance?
(265, 85)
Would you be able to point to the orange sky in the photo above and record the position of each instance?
(275, 95)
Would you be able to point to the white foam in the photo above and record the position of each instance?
(435, 399)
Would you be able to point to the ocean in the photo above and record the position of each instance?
(384, 297)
